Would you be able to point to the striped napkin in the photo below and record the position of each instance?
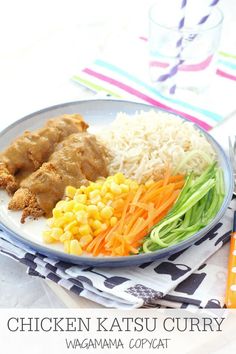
(122, 72)
(192, 278)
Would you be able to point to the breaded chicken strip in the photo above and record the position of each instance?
(77, 160)
(27, 153)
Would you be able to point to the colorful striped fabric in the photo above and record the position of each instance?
(122, 72)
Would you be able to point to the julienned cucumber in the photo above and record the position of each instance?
(198, 203)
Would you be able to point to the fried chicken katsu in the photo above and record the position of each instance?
(76, 160)
(27, 153)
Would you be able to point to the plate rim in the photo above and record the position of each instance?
(120, 260)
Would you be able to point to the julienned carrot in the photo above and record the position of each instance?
(176, 178)
(126, 206)
(140, 210)
(136, 198)
(145, 222)
(179, 185)
(133, 236)
(142, 225)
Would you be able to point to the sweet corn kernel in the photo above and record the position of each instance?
(97, 232)
(95, 200)
(47, 238)
(69, 206)
(101, 205)
(81, 198)
(108, 196)
(119, 178)
(93, 194)
(106, 212)
(113, 221)
(60, 205)
(104, 227)
(70, 192)
(75, 248)
(74, 230)
(88, 190)
(70, 226)
(79, 206)
(104, 190)
(59, 222)
(90, 221)
(87, 211)
(84, 229)
(82, 216)
(124, 188)
(56, 233)
(68, 216)
(97, 224)
(92, 210)
(57, 213)
(66, 236)
(115, 188)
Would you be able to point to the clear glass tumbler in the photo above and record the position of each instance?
(182, 58)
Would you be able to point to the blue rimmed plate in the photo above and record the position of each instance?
(97, 113)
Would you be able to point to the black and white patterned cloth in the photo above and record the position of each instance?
(192, 278)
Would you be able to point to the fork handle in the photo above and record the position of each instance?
(230, 299)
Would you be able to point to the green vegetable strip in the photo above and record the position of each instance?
(196, 206)
(187, 218)
(194, 198)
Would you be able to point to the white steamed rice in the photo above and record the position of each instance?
(143, 144)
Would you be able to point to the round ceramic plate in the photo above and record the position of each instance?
(97, 113)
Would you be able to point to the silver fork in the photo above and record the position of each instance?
(232, 156)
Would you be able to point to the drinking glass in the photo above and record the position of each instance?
(182, 58)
